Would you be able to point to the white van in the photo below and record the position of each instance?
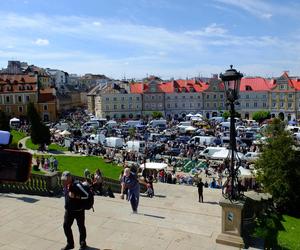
(185, 124)
(113, 142)
(97, 139)
(136, 146)
(203, 140)
(132, 123)
(209, 151)
(111, 124)
(157, 123)
(251, 156)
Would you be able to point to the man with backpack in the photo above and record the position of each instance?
(76, 195)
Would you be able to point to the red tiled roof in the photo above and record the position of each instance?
(17, 79)
(296, 83)
(255, 84)
(137, 88)
(171, 86)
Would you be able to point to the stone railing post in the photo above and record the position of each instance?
(52, 182)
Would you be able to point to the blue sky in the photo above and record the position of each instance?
(168, 38)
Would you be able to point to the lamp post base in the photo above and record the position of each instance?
(231, 223)
(230, 240)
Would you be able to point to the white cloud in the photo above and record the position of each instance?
(97, 23)
(41, 42)
(211, 30)
(263, 9)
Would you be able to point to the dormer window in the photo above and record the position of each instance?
(248, 88)
(192, 89)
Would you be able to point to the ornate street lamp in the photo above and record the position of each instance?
(231, 80)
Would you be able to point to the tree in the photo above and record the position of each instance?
(226, 114)
(279, 169)
(4, 121)
(156, 115)
(131, 132)
(40, 133)
(261, 115)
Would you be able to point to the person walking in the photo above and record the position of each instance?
(200, 190)
(73, 210)
(131, 182)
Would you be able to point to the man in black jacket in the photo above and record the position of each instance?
(73, 210)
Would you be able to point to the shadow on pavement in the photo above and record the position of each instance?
(154, 216)
(92, 248)
(211, 202)
(160, 196)
(25, 199)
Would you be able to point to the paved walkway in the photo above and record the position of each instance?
(171, 220)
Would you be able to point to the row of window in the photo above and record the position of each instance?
(21, 87)
(253, 97)
(130, 98)
(8, 99)
(282, 95)
(122, 106)
(21, 109)
(183, 97)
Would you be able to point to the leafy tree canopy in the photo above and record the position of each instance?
(261, 115)
(279, 168)
(156, 115)
(40, 133)
(4, 121)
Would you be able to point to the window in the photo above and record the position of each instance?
(221, 96)
(27, 98)
(264, 105)
(122, 106)
(152, 97)
(274, 95)
(191, 105)
(221, 104)
(107, 107)
(282, 86)
(107, 98)
(207, 105)
(45, 107)
(264, 96)
(289, 104)
(7, 98)
(137, 98)
(115, 106)
(191, 97)
(247, 96)
(281, 104)
(255, 105)
(19, 98)
(247, 105)
(215, 105)
(215, 96)
(183, 97)
(183, 105)
(123, 98)
(199, 96)
(130, 106)
(20, 108)
(290, 95)
(115, 98)
(176, 105)
(199, 104)
(168, 97)
(273, 104)
(207, 96)
(7, 109)
(130, 98)
(137, 106)
(281, 95)
(176, 96)
(168, 105)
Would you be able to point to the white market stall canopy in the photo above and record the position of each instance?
(245, 172)
(65, 132)
(154, 165)
(14, 120)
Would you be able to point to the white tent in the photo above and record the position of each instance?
(65, 132)
(154, 165)
(199, 115)
(245, 172)
(189, 115)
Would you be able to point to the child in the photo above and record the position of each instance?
(149, 190)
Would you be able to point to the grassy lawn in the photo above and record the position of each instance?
(289, 237)
(279, 232)
(17, 136)
(77, 164)
(51, 147)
